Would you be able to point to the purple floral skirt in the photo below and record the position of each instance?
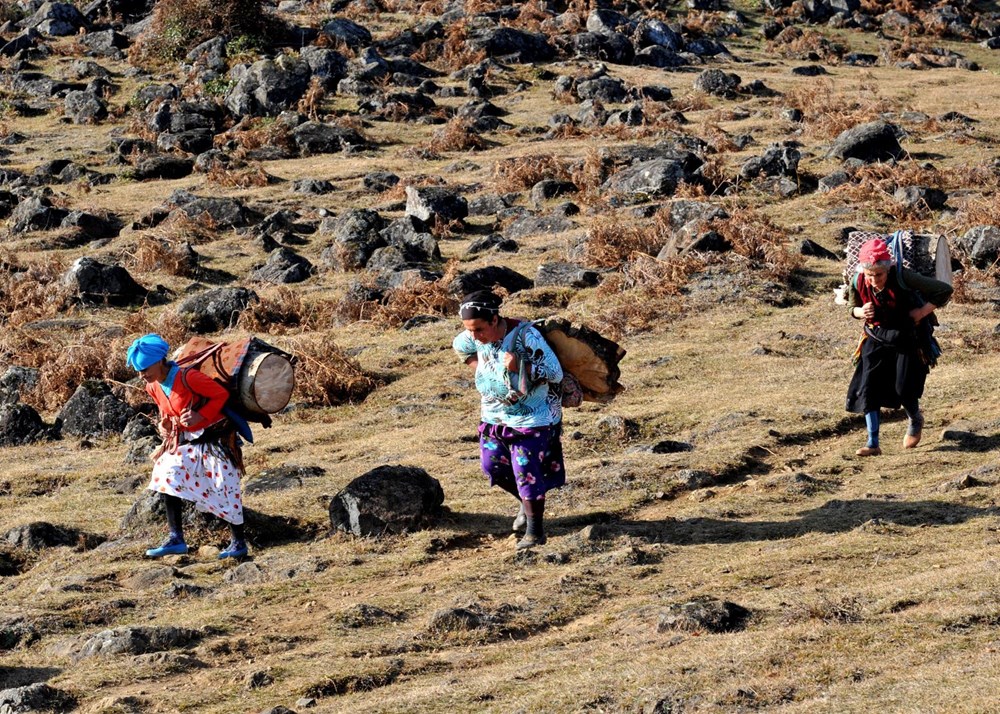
(530, 459)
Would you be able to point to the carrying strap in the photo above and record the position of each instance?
(896, 246)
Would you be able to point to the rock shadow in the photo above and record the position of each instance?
(11, 677)
(835, 516)
(968, 441)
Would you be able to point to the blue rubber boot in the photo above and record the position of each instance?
(235, 549)
(171, 546)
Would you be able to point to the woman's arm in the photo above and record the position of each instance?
(544, 363)
(465, 345)
(201, 385)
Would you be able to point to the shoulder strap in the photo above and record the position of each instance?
(201, 400)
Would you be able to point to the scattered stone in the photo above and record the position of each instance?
(431, 204)
(20, 424)
(95, 283)
(692, 479)
(283, 266)
(363, 615)
(40, 535)
(703, 614)
(982, 245)
(457, 619)
(811, 247)
(718, 83)
(488, 278)
(565, 275)
(246, 574)
(387, 499)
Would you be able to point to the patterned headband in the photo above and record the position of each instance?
(476, 306)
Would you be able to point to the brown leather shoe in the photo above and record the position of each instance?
(910, 442)
(869, 451)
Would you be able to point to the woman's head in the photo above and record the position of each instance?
(147, 355)
(480, 313)
(875, 260)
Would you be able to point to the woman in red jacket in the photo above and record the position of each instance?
(199, 460)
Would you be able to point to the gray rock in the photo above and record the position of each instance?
(520, 46)
(982, 245)
(84, 108)
(718, 83)
(350, 33)
(38, 697)
(609, 21)
(15, 381)
(811, 247)
(387, 499)
(20, 424)
(56, 19)
(487, 278)
(457, 619)
(529, 225)
(603, 89)
(693, 479)
(210, 54)
(135, 641)
(105, 43)
(487, 205)
(777, 160)
(36, 213)
(920, 197)
(224, 212)
(703, 614)
(325, 64)
(612, 47)
(874, 141)
(432, 203)
(216, 310)
(283, 266)
(312, 187)
(318, 138)
(95, 283)
(658, 177)
(832, 181)
(40, 535)
(565, 275)
(269, 87)
(492, 242)
(162, 167)
(246, 574)
(363, 615)
(658, 33)
(355, 238)
(94, 411)
(656, 56)
(26, 40)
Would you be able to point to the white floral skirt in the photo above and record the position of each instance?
(201, 473)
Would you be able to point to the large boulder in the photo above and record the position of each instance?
(269, 87)
(776, 160)
(215, 310)
(223, 212)
(874, 141)
(94, 410)
(84, 107)
(348, 32)
(718, 83)
(326, 65)
(387, 499)
(982, 245)
(20, 424)
(36, 213)
(16, 380)
(95, 283)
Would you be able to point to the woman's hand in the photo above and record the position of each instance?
(868, 311)
(510, 361)
(919, 313)
(190, 418)
(165, 428)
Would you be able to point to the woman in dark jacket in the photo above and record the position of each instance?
(896, 349)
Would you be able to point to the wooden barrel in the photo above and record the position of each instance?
(266, 382)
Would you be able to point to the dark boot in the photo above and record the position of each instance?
(534, 533)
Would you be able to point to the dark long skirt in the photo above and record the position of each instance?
(887, 376)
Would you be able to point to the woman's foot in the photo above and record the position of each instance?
(235, 549)
(530, 541)
(171, 546)
(914, 431)
(521, 521)
(869, 451)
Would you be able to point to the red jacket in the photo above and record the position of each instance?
(199, 388)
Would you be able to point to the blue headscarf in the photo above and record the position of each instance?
(147, 351)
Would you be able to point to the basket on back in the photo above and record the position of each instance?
(914, 248)
(259, 377)
(589, 357)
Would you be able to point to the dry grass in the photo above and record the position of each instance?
(517, 174)
(160, 254)
(828, 111)
(30, 291)
(324, 375)
(758, 238)
(456, 135)
(613, 240)
(282, 309)
(250, 176)
(254, 133)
